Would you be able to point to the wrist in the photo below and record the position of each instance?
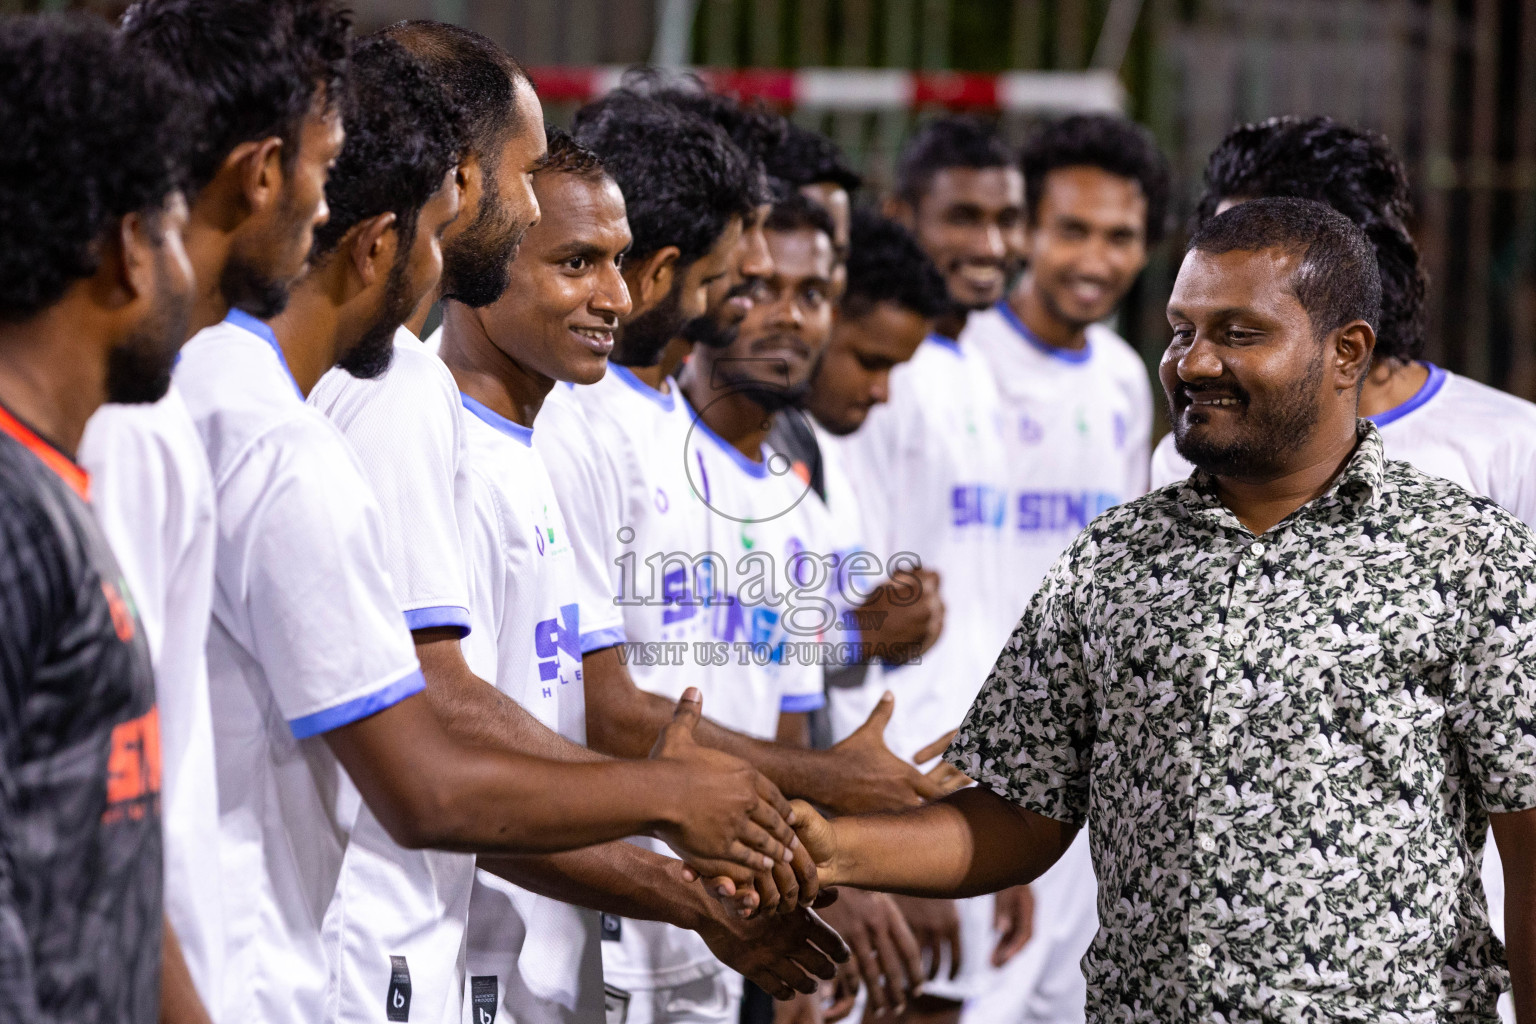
(663, 795)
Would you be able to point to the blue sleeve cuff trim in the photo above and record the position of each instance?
(795, 703)
(438, 617)
(358, 708)
(599, 639)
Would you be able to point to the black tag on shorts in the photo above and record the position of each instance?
(397, 1004)
(483, 998)
(611, 927)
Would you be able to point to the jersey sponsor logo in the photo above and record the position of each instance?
(120, 605)
(1051, 511)
(977, 505)
(483, 998)
(397, 1001)
(133, 769)
(1030, 430)
(612, 927)
(552, 636)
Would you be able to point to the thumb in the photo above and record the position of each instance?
(880, 717)
(684, 720)
(815, 832)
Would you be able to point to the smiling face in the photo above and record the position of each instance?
(566, 296)
(968, 223)
(782, 339)
(1087, 244)
(1248, 381)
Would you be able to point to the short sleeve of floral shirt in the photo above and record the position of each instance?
(1285, 747)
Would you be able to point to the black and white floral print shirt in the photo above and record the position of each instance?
(1285, 747)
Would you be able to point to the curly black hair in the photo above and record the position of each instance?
(565, 155)
(1351, 170)
(1336, 281)
(1110, 143)
(404, 133)
(885, 264)
(255, 67)
(94, 131)
(481, 77)
(792, 211)
(682, 177)
(810, 158)
(953, 141)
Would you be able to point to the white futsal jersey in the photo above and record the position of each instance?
(1472, 435)
(306, 637)
(152, 491)
(399, 911)
(536, 958)
(932, 462)
(1077, 437)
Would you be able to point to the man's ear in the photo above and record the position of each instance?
(373, 244)
(650, 280)
(469, 178)
(258, 166)
(900, 211)
(1353, 347)
(128, 267)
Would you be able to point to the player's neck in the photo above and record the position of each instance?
(50, 379)
(950, 324)
(487, 374)
(1260, 503)
(1391, 383)
(1047, 328)
(207, 247)
(730, 413)
(309, 330)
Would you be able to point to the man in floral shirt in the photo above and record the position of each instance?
(1286, 695)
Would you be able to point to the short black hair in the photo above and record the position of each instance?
(885, 264)
(95, 130)
(1336, 280)
(256, 67)
(1114, 145)
(567, 156)
(682, 177)
(404, 133)
(810, 158)
(953, 141)
(480, 76)
(1355, 172)
(792, 211)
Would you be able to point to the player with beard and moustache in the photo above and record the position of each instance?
(1435, 420)
(615, 452)
(263, 78)
(1077, 416)
(95, 294)
(538, 959)
(932, 467)
(306, 626)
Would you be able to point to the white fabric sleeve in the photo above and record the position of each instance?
(1141, 435)
(408, 434)
(1168, 466)
(586, 483)
(301, 545)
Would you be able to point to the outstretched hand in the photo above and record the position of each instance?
(728, 821)
(783, 954)
(867, 777)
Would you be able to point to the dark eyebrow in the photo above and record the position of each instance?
(587, 250)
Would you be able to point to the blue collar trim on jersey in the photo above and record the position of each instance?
(243, 320)
(625, 374)
(516, 431)
(1066, 355)
(755, 469)
(1431, 388)
(944, 342)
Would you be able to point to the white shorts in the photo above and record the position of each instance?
(714, 999)
(1044, 983)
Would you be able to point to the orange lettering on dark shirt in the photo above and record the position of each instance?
(133, 767)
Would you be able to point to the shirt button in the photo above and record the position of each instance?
(1256, 550)
(1207, 844)
(1201, 949)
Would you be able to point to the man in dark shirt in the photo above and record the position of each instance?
(95, 290)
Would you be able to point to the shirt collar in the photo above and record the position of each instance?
(1353, 491)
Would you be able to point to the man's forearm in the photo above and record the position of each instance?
(1520, 948)
(614, 878)
(474, 711)
(967, 844)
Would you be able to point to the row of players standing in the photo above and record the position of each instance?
(513, 552)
